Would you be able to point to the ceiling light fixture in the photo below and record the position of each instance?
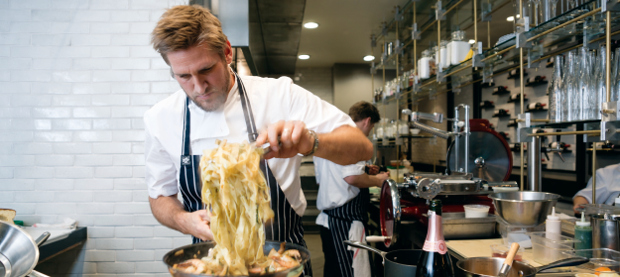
(369, 58)
(510, 18)
(471, 41)
(304, 57)
(311, 25)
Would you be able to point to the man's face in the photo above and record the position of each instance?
(203, 75)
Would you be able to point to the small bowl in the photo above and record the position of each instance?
(476, 211)
(414, 131)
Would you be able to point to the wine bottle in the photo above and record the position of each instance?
(500, 89)
(486, 103)
(500, 112)
(536, 79)
(435, 260)
(536, 106)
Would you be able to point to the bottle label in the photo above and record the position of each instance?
(434, 241)
(435, 246)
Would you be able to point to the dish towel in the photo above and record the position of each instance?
(361, 263)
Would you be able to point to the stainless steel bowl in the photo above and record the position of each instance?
(524, 208)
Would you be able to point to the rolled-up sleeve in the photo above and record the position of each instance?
(353, 169)
(160, 170)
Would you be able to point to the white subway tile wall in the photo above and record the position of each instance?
(76, 76)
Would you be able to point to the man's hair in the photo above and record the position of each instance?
(362, 110)
(182, 27)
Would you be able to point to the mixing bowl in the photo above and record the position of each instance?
(523, 208)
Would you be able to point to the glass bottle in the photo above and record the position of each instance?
(435, 261)
(583, 233)
(558, 94)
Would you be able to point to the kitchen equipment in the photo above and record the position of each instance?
(390, 211)
(501, 251)
(523, 208)
(606, 231)
(458, 47)
(397, 262)
(456, 226)
(486, 266)
(503, 271)
(489, 157)
(19, 253)
(605, 222)
(200, 250)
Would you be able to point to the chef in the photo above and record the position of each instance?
(607, 188)
(343, 199)
(215, 103)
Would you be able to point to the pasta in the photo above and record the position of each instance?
(235, 191)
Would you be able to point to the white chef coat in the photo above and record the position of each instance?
(334, 191)
(271, 100)
(607, 185)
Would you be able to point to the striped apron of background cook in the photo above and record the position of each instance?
(340, 220)
(286, 224)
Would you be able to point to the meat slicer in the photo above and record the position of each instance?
(478, 159)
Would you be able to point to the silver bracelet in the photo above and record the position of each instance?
(316, 143)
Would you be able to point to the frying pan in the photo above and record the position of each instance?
(395, 262)
(487, 266)
(200, 250)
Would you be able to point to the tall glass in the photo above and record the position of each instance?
(584, 82)
(601, 88)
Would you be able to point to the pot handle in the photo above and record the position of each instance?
(35, 273)
(565, 262)
(42, 238)
(360, 245)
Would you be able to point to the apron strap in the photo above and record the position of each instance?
(186, 152)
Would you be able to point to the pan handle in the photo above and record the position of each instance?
(360, 245)
(35, 273)
(565, 262)
(42, 238)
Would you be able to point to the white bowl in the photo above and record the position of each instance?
(504, 189)
(476, 211)
(414, 131)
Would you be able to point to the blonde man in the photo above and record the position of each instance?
(215, 103)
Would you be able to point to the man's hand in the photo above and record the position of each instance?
(287, 139)
(373, 169)
(383, 176)
(578, 203)
(169, 211)
(196, 224)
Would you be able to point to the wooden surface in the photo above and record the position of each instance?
(482, 248)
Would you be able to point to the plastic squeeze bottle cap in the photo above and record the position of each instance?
(583, 222)
(552, 216)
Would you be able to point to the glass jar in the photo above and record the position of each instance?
(424, 65)
(441, 56)
(380, 129)
(458, 47)
(403, 128)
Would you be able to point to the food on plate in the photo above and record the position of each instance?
(236, 193)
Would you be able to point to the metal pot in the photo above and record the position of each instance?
(200, 250)
(523, 208)
(397, 262)
(487, 266)
(605, 231)
(19, 253)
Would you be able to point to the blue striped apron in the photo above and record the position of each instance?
(340, 220)
(286, 224)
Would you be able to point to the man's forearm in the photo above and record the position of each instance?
(363, 181)
(165, 209)
(345, 145)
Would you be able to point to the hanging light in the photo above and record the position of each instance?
(304, 57)
(311, 25)
(369, 58)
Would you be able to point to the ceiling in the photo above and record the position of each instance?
(343, 35)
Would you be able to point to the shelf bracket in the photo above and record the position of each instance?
(610, 5)
(440, 13)
(521, 41)
(487, 11)
(441, 76)
(415, 34)
(610, 126)
(398, 15)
